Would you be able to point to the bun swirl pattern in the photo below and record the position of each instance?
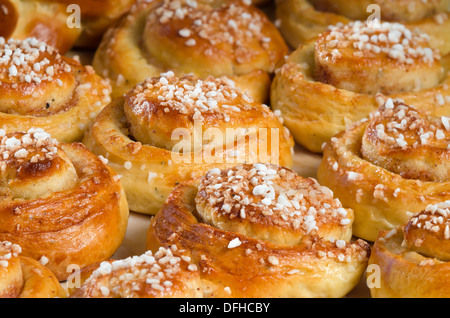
(59, 202)
(335, 79)
(39, 88)
(169, 129)
(204, 38)
(288, 231)
(413, 259)
(23, 277)
(395, 162)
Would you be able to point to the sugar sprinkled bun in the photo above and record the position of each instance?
(169, 129)
(260, 230)
(384, 167)
(59, 201)
(412, 260)
(40, 88)
(166, 273)
(23, 277)
(389, 58)
(217, 38)
(336, 78)
(272, 203)
(301, 20)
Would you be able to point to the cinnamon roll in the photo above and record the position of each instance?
(396, 162)
(335, 79)
(412, 260)
(23, 277)
(261, 230)
(59, 202)
(302, 20)
(167, 273)
(204, 38)
(169, 129)
(39, 88)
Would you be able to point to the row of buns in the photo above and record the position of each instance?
(82, 146)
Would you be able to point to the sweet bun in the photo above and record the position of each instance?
(302, 20)
(412, 260)
(261, 230)
(40, 88)
(43, 20)
(169, 129)
(96, 17)
(204, 38)
(393, 163)
(62, 24)
(167, 273)
(60, 202)
(336, 79)
(23, 277)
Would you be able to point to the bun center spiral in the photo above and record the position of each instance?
(30, 72)
(32, 165)
(405, 141)
(374, 57)
(271, 203)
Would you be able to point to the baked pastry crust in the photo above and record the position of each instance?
(167, 273)
(46, 90)
(23, 277)
(44, 20)
(251, 249)
(382, 168)
(59, 202)
(322, 88)
(138, 135)
(192, 37)
(48, 21)
(413, 259)
(302, 20)
(96, 17)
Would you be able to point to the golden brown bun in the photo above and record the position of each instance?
(96, 17)
(395, 162)
(167, 273)
(44, 20)
(413, 260)
(428, 232)
(302, 20)
(60, 202)
(51, 21)
(407, 142)
(335, 79)
(261, 230)
(151, 136)
(42, 89)
(192, 37)
(23, 277)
